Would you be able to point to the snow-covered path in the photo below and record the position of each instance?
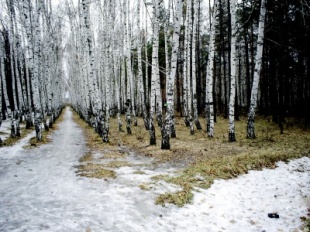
(39, 191)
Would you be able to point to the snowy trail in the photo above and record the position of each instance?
(39, 191)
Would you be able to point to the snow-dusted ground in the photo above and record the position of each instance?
(5, 129)
(40, 191)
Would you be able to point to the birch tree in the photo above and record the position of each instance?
(188, 75)
(93, 84)
(3, 77)
(186, 60)
(127, 63)
(34, 37)
(194, 59)
(233, 68)
(140, 74)
(209, 79)
(257, 71)
(169, 121)
(12, 56)
(35, 78)
(155, 73)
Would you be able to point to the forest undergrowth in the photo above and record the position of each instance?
(199, 159)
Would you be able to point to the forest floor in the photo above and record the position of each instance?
(199, 159)
(75, 182)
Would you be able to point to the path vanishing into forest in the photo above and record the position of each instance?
(40, 191)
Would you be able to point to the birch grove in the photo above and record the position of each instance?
(152, 61)
(28, 31)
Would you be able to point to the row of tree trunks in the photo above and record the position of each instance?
(25, 66)
(137, 86)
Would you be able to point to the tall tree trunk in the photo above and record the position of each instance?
(186, 58)
(233, 71)
(189, 68)
(140, 74)
(93, 84)
(194, 59)
(169, 121)
(7, 108)
(257, 71)
(155, 73)
(35, 79)
(209, 79)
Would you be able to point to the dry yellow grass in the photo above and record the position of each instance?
(35, 143)
(202, 159)
(11, 141)
(95, 171)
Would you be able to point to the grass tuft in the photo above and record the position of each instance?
(118, 164)
(11, 141)
(145, 187)
(179, 198)
(88, 157)
(138, 172)
(95, 171)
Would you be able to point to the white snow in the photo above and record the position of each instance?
(5, 129)
(40, 191)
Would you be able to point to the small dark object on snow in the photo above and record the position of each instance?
(273, 215)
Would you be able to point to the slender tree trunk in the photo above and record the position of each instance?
(233, 71)
(3, 77)
(257, 71)
(169, 121)
(209, 79)
(155, 73)
(194, 59)
(140, 74)
(189, 68)
(186, 58)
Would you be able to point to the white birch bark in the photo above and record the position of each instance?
(186, 58)
(93, 84)
(233, 68)
(189, 76)
(257, 71)
(29, 49)
(147, 95)
(129, 87)
(131, 75)
(12, 57)
(209, 79)
(155, 73)
(108, 71)
(140, 74)
(194, 76)
(35, 78)
(169, 121)
(117, 90)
